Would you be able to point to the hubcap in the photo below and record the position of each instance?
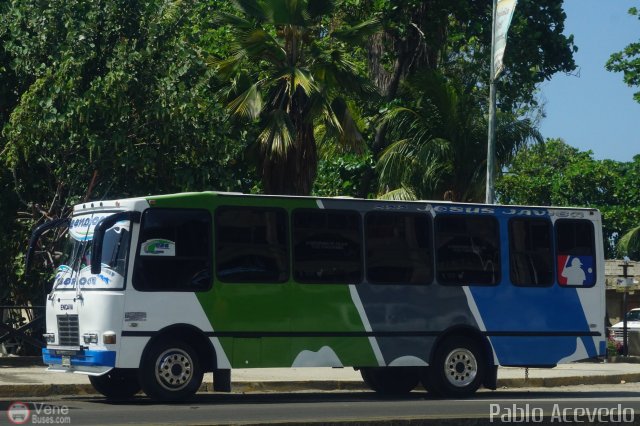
(174, 369)
(460, 367)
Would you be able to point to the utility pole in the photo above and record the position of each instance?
(491, 143)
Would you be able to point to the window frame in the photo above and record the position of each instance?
(360, 242)
(551, 250)
(209, 256)
(497, 270)
(287, 242)
(592, 246)
(430, 243)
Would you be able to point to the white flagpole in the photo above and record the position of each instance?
(491, 143)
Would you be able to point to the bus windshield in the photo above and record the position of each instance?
(75, 262)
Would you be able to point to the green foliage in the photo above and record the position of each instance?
(289, 72)
(557, 174)
(342, 176)
(629, 244)
(440, 141)
(115, 99)
(628, 61)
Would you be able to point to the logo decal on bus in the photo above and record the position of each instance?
(576, 270)
(158, 247)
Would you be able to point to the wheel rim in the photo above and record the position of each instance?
(460, 367)
(174, 369)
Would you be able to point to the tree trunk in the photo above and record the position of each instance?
(295, 173)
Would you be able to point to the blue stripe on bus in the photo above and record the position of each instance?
(509, 308)
(82, 358)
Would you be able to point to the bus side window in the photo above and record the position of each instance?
(530, 252)
(575, 245)
(398, 248)
(467, 250)
(327, 246)
(251, 245)
(174, 251)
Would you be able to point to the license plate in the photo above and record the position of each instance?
(66, 361)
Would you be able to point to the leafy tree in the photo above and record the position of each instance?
(290, 70)
(113, 99)
(342, 175)
(440, 150)
(628, 61)
(454, 37)
(556, 174)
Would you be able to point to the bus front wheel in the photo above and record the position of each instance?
(390, 380)
(118, 383)
(457, 369)
(170, 371)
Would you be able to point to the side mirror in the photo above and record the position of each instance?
(37, 233)
(98, 236)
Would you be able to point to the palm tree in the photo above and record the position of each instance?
(440, 143)
(290, 72)
(629, 244)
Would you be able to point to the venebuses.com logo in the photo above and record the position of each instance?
(19, 413)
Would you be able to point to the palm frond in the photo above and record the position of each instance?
(400, 194)
(259, 44)
(236, 23)
(228, 67)
(277, 136)
(251, 8)
(286, 12)
(629, 244)
(248, 104)
(346, 134)
(303, 79)
(359, 32)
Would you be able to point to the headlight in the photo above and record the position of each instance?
(90, 338)
(109, 338)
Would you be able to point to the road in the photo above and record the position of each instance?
(596, 404)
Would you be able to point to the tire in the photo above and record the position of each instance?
(390, 380)
(118, 383)
(170, 371)
(457, 370)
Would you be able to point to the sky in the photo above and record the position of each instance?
(594, 109)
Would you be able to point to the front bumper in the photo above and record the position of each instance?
(79, 361)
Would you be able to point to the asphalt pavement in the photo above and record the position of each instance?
(27, 377)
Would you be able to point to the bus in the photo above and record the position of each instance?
(152, 292)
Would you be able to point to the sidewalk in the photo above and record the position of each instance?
(33, 380)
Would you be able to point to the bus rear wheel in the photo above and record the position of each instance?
(170, 371)
(118, 383)
(457, 369)
(390, 380)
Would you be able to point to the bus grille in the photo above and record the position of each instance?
(68, 330)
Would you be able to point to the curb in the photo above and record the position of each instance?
(42, 390)
(550, 382)
(21, 361)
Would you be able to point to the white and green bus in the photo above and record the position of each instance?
(153, 292)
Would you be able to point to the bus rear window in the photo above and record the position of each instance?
(575, 253)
